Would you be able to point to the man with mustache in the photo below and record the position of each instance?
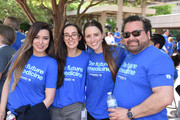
(144, 82)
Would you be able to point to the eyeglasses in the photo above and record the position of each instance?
(135, 33)
(73, 36)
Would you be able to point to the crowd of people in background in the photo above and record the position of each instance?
(39, 83)
(171, 45)
(14, 23)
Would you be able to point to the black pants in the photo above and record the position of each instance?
(89, 117)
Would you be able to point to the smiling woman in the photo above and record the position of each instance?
(25, 85)
(41, 42)
(72, 63)
(101, 72)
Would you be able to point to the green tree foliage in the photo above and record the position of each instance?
(74, 6)
(24, 27)
(175, 33)
(163, 10)
(134, 3)
(111, 22)
(38, 11)
(11, 8)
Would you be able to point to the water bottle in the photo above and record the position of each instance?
(111, 101)
(84, 114)
(10, 116)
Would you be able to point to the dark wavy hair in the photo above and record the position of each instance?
(146, 22)
(158, 38)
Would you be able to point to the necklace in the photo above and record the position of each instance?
(98, 59)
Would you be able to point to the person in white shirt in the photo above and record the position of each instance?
(110, 39)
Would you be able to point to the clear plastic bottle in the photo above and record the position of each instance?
(84, 114)
(10, 116)
(111, 101)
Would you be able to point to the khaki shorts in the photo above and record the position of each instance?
(70, 112)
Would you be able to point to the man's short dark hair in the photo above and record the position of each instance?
(176, 59)
(158, 38)
(14, 21)
(146, 22)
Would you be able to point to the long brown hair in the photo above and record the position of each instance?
(62, 53)
(24, 53)
(106, 49)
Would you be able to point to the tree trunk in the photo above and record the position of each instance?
(59, 19)
(27, 11)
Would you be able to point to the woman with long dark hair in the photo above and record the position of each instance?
(102, 69)
(32, 76)
(72, 63)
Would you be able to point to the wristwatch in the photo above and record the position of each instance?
(129, 114)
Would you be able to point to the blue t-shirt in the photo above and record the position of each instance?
(116, 39)
(19, 40)
(178, 45)
(175, 73)
(140, 73)
(73, 88)
(38, 74)
(170, 49)
(166, 41)
(99, 82)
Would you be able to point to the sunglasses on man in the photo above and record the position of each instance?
(135, 33)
